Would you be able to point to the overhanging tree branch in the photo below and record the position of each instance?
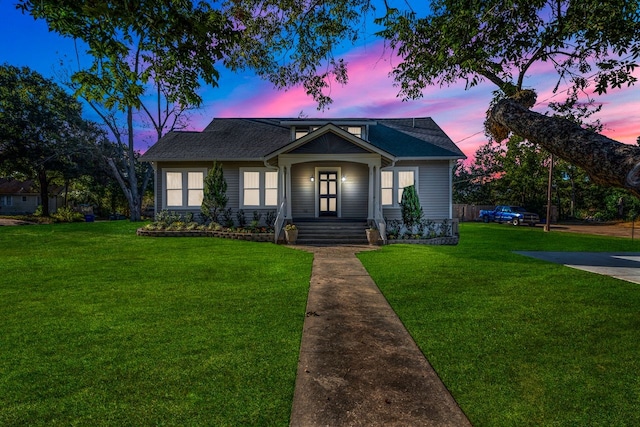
(607, 161)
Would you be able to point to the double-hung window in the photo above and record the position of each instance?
(6, 200)
(393, 182)
(184, 188)
(258, 188)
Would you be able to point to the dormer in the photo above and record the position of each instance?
(301, 128)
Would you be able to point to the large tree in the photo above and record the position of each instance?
(42, 133)
(139, 48)
(169, 48)
(587, 41)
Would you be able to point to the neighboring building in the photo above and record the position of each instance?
(310, 168)
(22, 197)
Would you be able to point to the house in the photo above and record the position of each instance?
(310, 169)
(23, 197)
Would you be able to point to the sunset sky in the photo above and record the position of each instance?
(370, 92)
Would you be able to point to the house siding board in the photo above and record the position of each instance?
(354, 191)
(303, 190)
(231, 172)
(161, 167)
(433, 190)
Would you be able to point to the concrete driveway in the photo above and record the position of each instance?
(621, 265)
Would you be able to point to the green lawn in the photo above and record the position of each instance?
(518, 341)
(101, 327)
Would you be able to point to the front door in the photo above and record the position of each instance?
(328, 182)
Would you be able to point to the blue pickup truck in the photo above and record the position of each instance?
(516, 215)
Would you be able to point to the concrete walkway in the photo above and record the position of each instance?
(621, 265)
(358, 364)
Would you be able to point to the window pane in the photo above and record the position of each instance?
(174, 197)
(251, 197)
(252, 180)
(323, 205)
(270, 197)
(387, 196)
(387, 179)
(174, 180)
(271, 188)
(271, 179)
(323, 187)
(195, 197)
(405, 179)
(355, 130)
(332, 205)
(196, 180)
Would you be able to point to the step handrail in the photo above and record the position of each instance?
(381, 224)
(279, 222)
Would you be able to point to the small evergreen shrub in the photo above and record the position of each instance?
(227, 218)
(215, 194)
(270, 219)
(242, 221)
(410, 207)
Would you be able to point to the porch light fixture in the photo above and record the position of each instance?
(344, 178)
(312, 178)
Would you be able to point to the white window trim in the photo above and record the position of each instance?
(396, 170)
(185, 187)
(261, 188)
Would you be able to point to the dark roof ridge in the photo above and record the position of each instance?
(264, 121)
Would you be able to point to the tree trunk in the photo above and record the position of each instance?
(608, 162)
(135, 211)
(44, 191)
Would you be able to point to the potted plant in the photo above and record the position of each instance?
(291, 233)
(373, 235)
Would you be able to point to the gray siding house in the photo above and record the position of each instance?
(23, 197)
(308, 169)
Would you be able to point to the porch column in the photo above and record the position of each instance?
(452, 164)
(287, 188)
(371, 199)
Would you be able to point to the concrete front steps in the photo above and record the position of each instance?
(331, 231)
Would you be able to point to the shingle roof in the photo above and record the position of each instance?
(222, 139)
(420, 137)
(14, 187)
(253, 139)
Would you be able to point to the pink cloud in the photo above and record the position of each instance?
(371, 93)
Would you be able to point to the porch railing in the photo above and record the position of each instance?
(280, 217)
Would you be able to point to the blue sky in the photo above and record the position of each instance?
(370, 92)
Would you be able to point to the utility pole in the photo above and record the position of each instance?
(547, 224)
